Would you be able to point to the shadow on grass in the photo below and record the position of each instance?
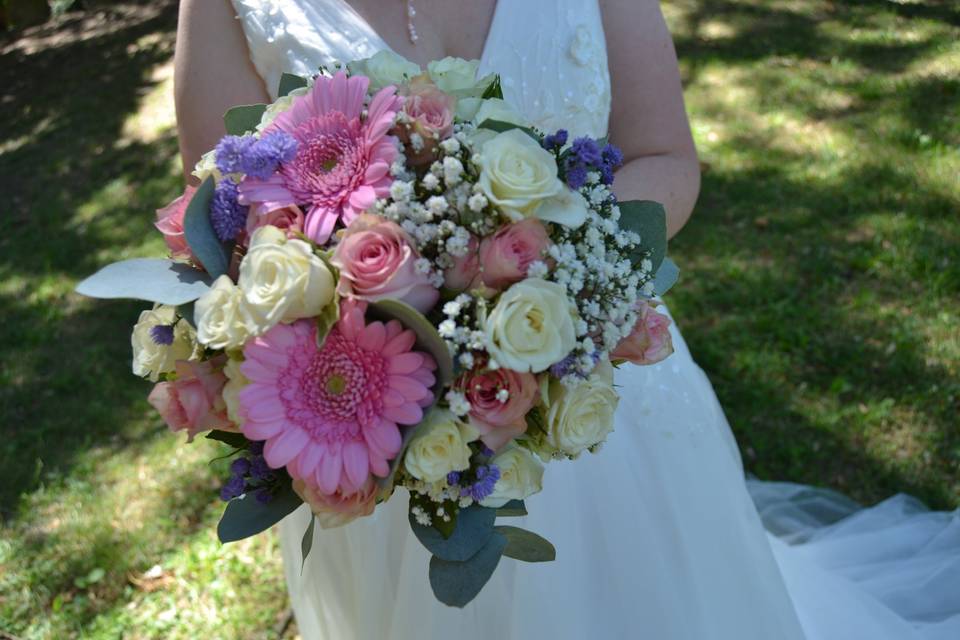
(76, 194)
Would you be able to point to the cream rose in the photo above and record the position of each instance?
(156, 351)
(236, 381)
(384, 68)
(579, 417)
(439, 447)
(521, 476)
(517, 174)
(458, 77)
(283, 280)
(497, 109)
(282, 104)
(531, 327)
(568, 208)
(207, 166)
(223, 320)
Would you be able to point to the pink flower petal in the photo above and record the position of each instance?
(405, 363)
(409, 413)
(373, 337)
(284, 448)
(356, 463)
(328, 471)
(410, 388)
(254, 430)
(401, 343)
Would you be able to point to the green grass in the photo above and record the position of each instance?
(820, 285)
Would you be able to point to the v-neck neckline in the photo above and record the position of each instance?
(360, 20)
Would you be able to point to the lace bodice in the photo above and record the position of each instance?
(551, 54)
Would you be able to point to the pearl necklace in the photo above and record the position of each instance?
(411, 28)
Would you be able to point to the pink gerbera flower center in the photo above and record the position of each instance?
(330, 161)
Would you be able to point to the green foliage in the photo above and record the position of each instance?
(500, 127)
(151, 279)
(243, 119)
(494, 90)
(289, 82)
(648, 219)
(513, 509)
(306, 544)
(457, 583)
(246, 516)
(526, 545)
(474, 526)
(213, 254)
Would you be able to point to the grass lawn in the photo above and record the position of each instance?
(820, 291)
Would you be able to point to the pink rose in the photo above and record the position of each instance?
(499, 402)
(289, 219)
(431, 113)
(377, 260)
(464, 273)
(650, 342)
(336, 509)
(506, 255)
(170, 224)
(193, 401)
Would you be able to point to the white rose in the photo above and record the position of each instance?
(521, 476)
(532, 326)
(223, 320)
(279, 106)
(385, 68)
(283, 280)
(568, 208)
(458, 77)
(207, 166)
(579, 417)
(439, 447)
(497, 109)
(236, 381)
(151, 358)
(517, 174)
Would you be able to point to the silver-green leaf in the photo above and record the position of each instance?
(649, 220)
(243, 119)
(457, 583)
(526, 545)
(203, 242)
(154, 280)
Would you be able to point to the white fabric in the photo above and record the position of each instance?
(657, 535)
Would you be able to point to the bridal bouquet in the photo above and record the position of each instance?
(387, 278)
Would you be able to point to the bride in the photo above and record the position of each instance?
(657, 535)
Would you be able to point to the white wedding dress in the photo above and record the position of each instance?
(657, 535)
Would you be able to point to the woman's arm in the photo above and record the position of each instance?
(648, 120)
(212, 73)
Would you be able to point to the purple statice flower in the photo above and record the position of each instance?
(256, 447)
(231, 151)
(486, 451)
(453, 478)
(259, 469)
(555, 142)
(264, 495)
(240, 467)
(263, 158)
(576, 176)
(487, 477)
(227, 215)
(587, 152)
(162, 334)
(234, 487)
(612, 160)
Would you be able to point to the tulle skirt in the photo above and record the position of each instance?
(658, 536)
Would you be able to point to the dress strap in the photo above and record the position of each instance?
(299, 36)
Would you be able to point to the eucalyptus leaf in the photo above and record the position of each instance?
(235, 440)
(457, 583)
(512, 509)
(246, 516)
(493, 90)
(649, 220)
(289, 82)
(666, 277)
(307, 543)
(526, 545)
(427, 337)
(500, 126)
(243, 119)
(204, 244)
(186, 311)
(473, 531)
(151, 279)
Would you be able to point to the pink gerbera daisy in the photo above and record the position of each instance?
(331, 413)
(342, 164)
